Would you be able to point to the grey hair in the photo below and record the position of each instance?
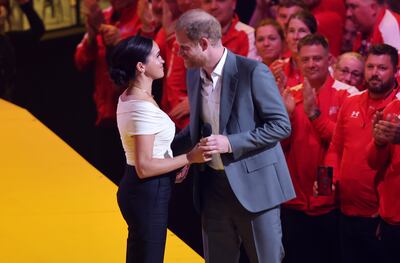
(197, 23)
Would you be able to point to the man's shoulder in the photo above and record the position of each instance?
(249, 63)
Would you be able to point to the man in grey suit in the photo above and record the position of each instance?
(239, 192)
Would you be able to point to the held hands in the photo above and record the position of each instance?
(386, 131)
(215, 144)
(198, 155)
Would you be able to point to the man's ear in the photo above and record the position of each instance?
(140, 67)
(204, 43)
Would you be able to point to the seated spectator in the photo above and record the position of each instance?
(269, 41)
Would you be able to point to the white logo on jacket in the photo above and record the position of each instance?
(355, 114)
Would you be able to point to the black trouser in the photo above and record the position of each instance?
(391, 242)
(144, 205)
(310, 238)
(359, 242)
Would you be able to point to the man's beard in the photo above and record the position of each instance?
(382, 87)
(197, 62)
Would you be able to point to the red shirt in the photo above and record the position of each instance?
(331, 25)
(294, 76)
(387, 161)
(306, 147)
(337, 6)
(348, 154)
(105, 93)
(386, 30)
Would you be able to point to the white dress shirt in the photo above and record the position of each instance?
(211, 96)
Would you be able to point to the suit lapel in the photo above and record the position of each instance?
(228, 90)
(194, 93)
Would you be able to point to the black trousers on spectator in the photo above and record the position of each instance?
(144, 206)
(310, 238)
(391, 242)
(359, 243)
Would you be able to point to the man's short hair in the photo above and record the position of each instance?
(385, 49)
(197, 23)
(313, 40)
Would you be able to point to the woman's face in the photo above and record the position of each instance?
(154, 67)
(296, 30)
(268, 43)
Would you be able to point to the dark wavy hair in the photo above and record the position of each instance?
(307, 18)
(124, 57)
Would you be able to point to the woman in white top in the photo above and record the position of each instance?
(146, 134)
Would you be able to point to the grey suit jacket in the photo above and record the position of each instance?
(254, 119)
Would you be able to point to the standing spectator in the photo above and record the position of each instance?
(270, 41)
(376, 24)
(236, 36)
(349, 69)
(348, 156)
(105, 29)
(383, 155)
(13, 49)
(310, 224)
(287, 73)
(349, 35)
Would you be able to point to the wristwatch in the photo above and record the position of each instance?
(315, 115)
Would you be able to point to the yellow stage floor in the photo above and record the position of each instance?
(54, 206)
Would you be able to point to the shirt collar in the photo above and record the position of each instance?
(218, 68)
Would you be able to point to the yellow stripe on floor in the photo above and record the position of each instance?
(54, 206)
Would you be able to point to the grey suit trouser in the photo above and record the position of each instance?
(226, 224)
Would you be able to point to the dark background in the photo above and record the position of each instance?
(51, 88)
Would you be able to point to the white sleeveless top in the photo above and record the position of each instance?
(140, 117)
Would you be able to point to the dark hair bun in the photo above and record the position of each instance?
(119, 77)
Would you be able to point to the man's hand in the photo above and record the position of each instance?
(110, 34)
(180, 110)
(386, 131)
(289, 102)
(309, 98)
(146, 16)
(215, 144)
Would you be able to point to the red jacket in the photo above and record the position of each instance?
(307, 146)
(105, 93)
(387, 161)
(386, 30)
(348, 154)
(294, 75)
